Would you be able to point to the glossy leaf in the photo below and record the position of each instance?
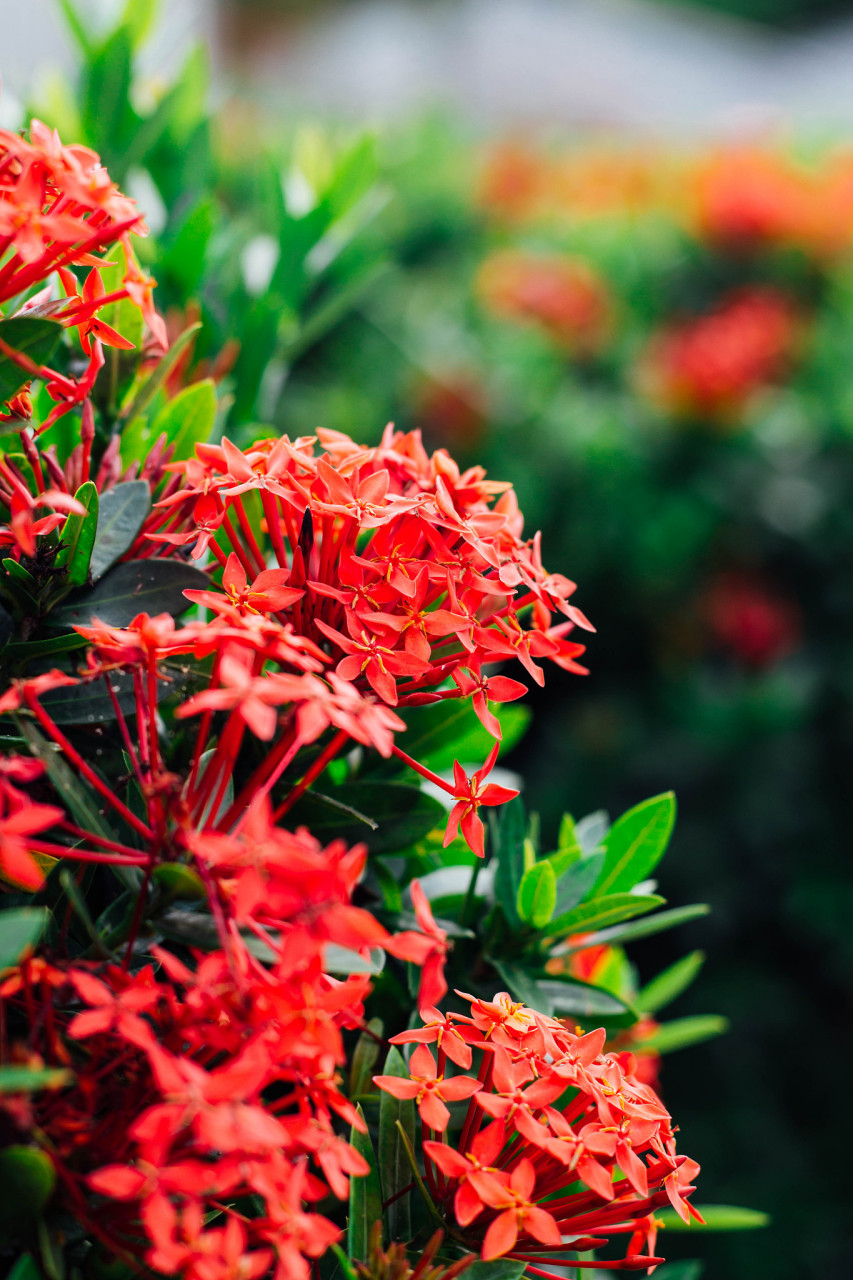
(399, 814)
(509, 830)
(663, 989)
(446, 731)
(34, 337)
(581, 999)
(577, 882)
(684, 1032)
(25, 1268)
(20, 929)
(604, 911)
(537, 895)
(364, 1058)
(28, 1177)
(718, 1217)
(498, 1269)
(72, 792)
(137, 586)
(636, 843)
(394, 1167)
(591, 831)
(77, 537)
(646, 928)
(365, 1197)
(122, 512)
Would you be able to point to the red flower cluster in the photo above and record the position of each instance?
(561, 295)
(168, 1119)
(711, 365)
(58, 208)
(391, 562)
(576, 1150)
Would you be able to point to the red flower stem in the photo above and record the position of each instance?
(138, 911)
(123, 730)
(112, 845)
(204, 728)
(86, 855)
(141, 723)
(484, 1075)
(249, 533)
(77, 760)
(239, 549)
(313, 773)
(423, 770)
(274, 524)
(262, 791)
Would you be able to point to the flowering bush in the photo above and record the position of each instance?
(227, 674)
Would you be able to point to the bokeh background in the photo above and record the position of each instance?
(604, 247)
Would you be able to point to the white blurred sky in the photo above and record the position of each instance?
(503, 62)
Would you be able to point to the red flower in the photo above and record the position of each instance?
(429, 1089)
(427, 949)
(470, 794)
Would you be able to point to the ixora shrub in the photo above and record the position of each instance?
(256, 923)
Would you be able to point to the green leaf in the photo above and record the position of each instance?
(691, 1270)
(718, 1217)
(499, 1269)
(91, 704)
(581, 999)
(77, 537)
(186, 420)
(663, 989)
(509, 829)
(27, 1176)
(577, 882)
(72, 791)
(446, 731)
(78, 30)
(121, 515)
(537, 895)
(20, 929)
(146, 393)
(684, 1032)
(645, 928)
(365, 1196)
(393, 1160)
(341, 960)
(136, 586)
(30, 1080)
(32, 336)
(402, 814)
(636, 843)
(364, 1058)
(604, 911)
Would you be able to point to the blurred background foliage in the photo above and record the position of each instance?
(655, 347)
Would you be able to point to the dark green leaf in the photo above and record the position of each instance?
(30, 1080)
(77, 537)
(645, 928)
(509, 829)
(20, 929)
(7, 629)
(636, 843)
(25, 1269)
(691, 1270)
(91, 703)
(580, 999)
(35, 338)
(365, 1197)
(604, 911)
(402, 814)
(122, 512)
(718, 1217)
(663, 989)
(577, 882)
(73, 792)
(684, 1032)
(137, 586)
(364, 1058)
(537, 895)
(499, 1269)
(393, 1160)
(27, 1177)
(447, 731)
